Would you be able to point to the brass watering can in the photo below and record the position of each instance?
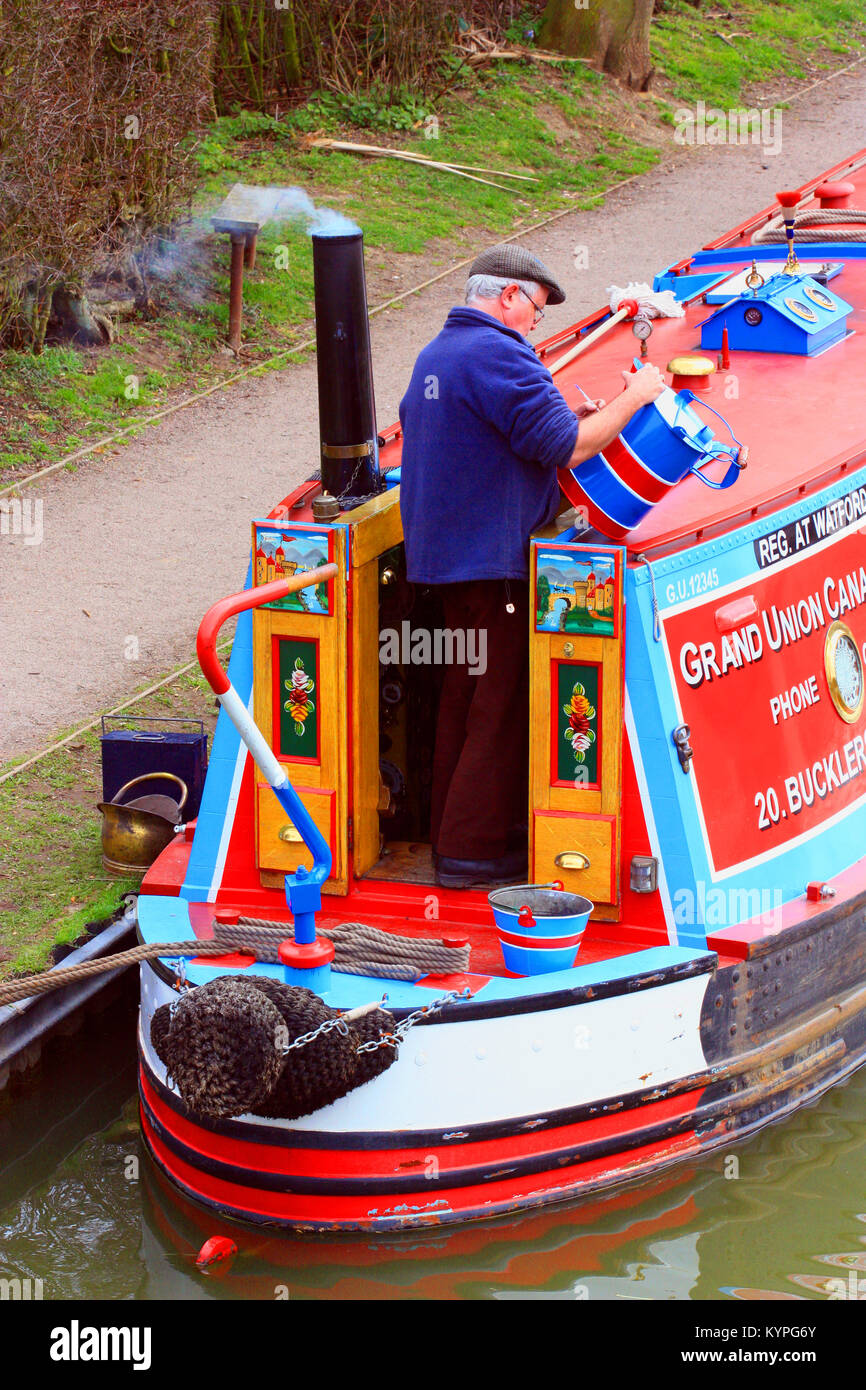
(135, 832)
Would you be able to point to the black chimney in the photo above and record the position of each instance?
(347, 409)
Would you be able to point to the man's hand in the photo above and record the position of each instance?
(588, 408)
(599, 426)
(644, 385)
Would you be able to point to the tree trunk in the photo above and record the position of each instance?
(613, 33)
(290, 57)
(76, 320)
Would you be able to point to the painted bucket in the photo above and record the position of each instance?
(550, 940)
(661, 444)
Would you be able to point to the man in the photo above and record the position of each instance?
(485, 430)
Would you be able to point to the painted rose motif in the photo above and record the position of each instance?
(580, 712)
(299, 705)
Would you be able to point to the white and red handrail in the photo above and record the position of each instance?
(238, 713)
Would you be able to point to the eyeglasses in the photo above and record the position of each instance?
(539, 312)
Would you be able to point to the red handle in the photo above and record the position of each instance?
(226, 608)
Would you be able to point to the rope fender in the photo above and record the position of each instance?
(227, 1047)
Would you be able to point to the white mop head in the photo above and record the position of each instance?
(663, 305)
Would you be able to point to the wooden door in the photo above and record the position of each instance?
(300, 690)
(576, 715)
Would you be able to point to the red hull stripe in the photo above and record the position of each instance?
(416, 1208)
(268, 1136)
(635, 474)
(303, 1151)
(399, 1169)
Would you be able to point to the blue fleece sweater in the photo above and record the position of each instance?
(484, 431)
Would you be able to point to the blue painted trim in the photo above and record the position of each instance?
(806, 251)
(167, 919)
(223, 758)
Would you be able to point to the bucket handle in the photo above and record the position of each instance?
(738, 458)
(150, 777)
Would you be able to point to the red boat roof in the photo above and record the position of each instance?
(803, 418)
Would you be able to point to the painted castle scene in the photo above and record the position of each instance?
(575, 592)
(280, 554)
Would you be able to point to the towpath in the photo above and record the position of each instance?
(139, 542)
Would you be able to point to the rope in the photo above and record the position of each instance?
(397, 957)
(774, 230)
(359, 949)
(13, 990)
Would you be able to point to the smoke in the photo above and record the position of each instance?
(183, 262)
(288, 204)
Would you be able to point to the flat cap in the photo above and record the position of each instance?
(516, 263)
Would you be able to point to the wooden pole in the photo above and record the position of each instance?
(236, 290)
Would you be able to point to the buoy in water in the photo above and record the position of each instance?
(217, 1250)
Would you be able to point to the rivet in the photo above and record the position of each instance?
(537, 1044)
(481, 1054)
(736, 977)
(420, 1059)
(733, 1029)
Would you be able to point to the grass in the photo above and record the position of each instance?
(51, 877)
(576, 131)
(765, 42)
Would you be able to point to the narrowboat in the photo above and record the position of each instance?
(357, 1048)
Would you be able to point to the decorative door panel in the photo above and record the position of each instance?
(576, 712)
(300, 694)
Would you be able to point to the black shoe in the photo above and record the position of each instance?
(481, 873)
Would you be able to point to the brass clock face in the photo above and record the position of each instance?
(803, 311)
(819, 297)
(843, 667)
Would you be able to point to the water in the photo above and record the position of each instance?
(82, 1209)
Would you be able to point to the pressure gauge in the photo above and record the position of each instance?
(642, 328)
(843, 666)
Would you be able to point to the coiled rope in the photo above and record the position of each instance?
(358, 949)
(774, 230)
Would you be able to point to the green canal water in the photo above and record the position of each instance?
(82, 1210)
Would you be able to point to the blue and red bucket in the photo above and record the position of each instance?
(661, 444)
(539, 926)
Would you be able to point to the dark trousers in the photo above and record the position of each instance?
(481, 760)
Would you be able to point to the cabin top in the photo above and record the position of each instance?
(803, 417)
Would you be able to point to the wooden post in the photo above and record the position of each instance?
(236, 290)
(250, 250)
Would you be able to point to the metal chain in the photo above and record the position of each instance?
(394, 1039)
(327, 1027)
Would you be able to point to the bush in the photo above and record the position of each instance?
(99, 96)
